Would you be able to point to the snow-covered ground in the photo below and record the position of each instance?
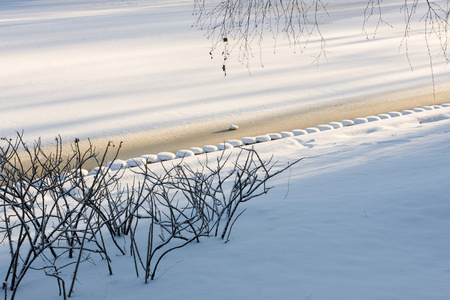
(364, 216)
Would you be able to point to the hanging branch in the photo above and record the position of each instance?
(236, 26)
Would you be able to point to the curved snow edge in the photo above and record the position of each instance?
(235, 143)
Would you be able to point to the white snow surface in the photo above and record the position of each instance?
(87, 69)
(365, 216)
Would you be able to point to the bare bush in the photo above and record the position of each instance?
(55, 216)
(183, 204)
(218, 190)
(50, 210)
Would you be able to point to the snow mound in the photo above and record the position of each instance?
(336, 125)
(209, 148)
(394, 114)
(197, 150)
(274, 136)
(116, 165)
(373, 118)
(324, 127)
(223, 146)
(184, 153)
(150, 158)
(163, 156)
(312, 130)
(299, 132)
(357, 121)
(384, 116)
(347, 122)
(248, 140)
(263, 138)
(135, 162)
(407, 112)
(286, 134)
(235, 143)
(418, 109)
(428, 107)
